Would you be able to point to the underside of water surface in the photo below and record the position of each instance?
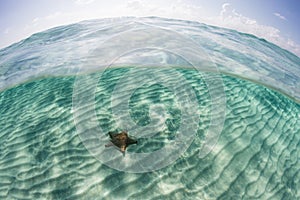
(257, 155)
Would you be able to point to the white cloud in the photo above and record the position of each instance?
(35, 19)
(54, 15)
(136, 5)
(83, 2)
(227, 11)
(6, 31)
(230, 18)
(228, 14)
(170, 9)
(280, 16)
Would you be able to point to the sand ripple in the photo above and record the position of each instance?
(41, 156)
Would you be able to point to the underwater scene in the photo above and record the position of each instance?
(211, 113)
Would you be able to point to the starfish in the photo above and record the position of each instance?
(120, 140)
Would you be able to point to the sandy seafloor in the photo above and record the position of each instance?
(42, 156)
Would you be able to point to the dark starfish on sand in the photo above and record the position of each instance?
(120, 140)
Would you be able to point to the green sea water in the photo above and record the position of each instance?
(257, 155)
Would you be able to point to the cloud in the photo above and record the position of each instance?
(230, 18)
(280, 16)
(6, 31)
(227, 11)
(35, 20)
(54, 15)
(83, 2)
(136, 5)
(170, 9)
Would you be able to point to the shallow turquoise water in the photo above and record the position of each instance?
(256, 157)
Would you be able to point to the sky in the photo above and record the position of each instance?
(273, 20)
